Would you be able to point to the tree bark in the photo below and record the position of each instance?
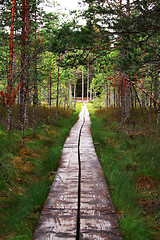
(88, 80)
(150, 105)
(74, 97)
(133, 119)
(10, 75)
(114, 97)
(109, 95)
(35, 91)
(27, 61)
(70, 95)
(50, 89)
(156, 88)
(82, 84)
(106, 94)
(123, 102)
(139, 104)
(57, 98)
(158, 117)
(23, 71)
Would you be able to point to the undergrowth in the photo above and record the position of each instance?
(27, 173)
(130, 161)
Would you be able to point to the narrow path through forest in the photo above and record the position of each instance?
(78, 205)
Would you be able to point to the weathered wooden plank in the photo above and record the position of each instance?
(97, 215)
(98, 218)
(59, 216)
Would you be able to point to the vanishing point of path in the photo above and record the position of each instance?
(78, 205)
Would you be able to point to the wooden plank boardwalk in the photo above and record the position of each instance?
(78, 205)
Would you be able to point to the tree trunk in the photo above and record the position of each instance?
(40, 93)
(10, 75)
(143, 100)
(133, 119)
(57, 99)
(127, 102)
(35, 91)
(91, 90)
(122, 102)
(109, 95)
(70, 95)
(93, 95)
(27, 60)
(118, 100)
(150, 105)
(139, 104)
(114, 96)
(50, 89)
(74, 97)
(156, 88)
(23, 71)
(158, 117)
(82, 84)
(106, 94)
(88, 80)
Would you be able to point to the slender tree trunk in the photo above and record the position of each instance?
(106, 94)
(14, 55)
(158, 117)
(40, 94)
(60, 95)
(150, 105)
(155, 85)
(27, 61)
(10, 75)
(70, 95)
(57, 100)
(139, 104)
(128, 7)
(82, 84)
(114, 92)
(50, 89)
(35, 91)
(91, 91)
(143, 100)
(118, 100)
(88, 80)
(133, 118)
(109, 95)
(127, 102)
(65, 97)
(23, 71)
(122, 102)
(135, 103)
(74, 97)
(93, 95)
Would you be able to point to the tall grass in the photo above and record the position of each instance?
(130, 161)
(28, 172)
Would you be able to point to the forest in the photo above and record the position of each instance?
(51, 63)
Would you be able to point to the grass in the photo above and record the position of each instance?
(27, 173)
(130, 161)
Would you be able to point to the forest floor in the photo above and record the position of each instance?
(26, 173)
(130, 160)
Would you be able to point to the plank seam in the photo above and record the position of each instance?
(79, 181)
